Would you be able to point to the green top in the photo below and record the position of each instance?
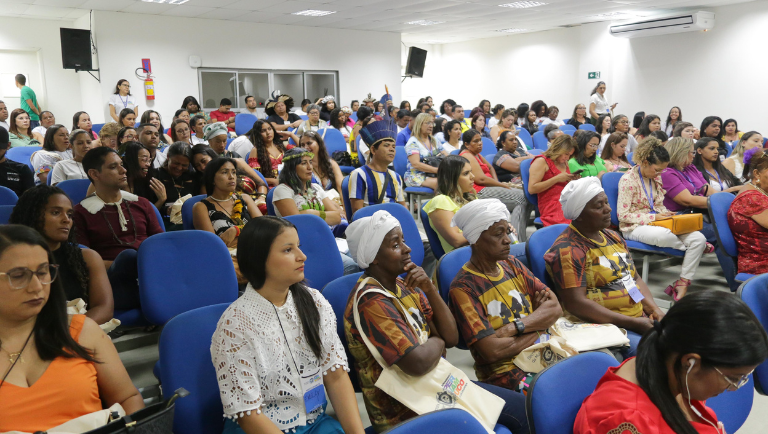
(445, 203)
(28, 94)
(17, 141)
(589, 169)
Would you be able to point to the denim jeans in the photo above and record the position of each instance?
(123, 275)
(513, 414)
(634, 340)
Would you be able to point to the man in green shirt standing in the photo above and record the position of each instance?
(28, 101)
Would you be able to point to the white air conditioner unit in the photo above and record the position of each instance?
(687, 22)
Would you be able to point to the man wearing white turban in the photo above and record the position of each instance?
(500, 307)
(378, 246)
(592, 269)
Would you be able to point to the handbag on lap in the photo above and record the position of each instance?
(682, 224)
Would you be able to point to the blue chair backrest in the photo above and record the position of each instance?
(525, 172)
(434, 240)
(345, 197)
(5, 213)
(570, 128)
(22, 154)
(754, 292)
(169, 287)
(8, 196)
(447, 421)
(76, 189)
(540, 141)
(186, 211)
(96, 128)
(270, 205)
(50, 175)
(353, 116)
(185, 352)
(304, 117)
(244, 122)
(565, 121)
(407, 225)
(489, 147)
(535, 151)
(455, 152)
(538, 244)
(337, 293)
(401, 161)
(447, 268)
(228, 142)
(334, 141)
(733, 408)
(318, 243)
(718, 205)
(556, 394)
(525, 136)
(611, 187)
(629, 158)
(588, 127)
(159, 217)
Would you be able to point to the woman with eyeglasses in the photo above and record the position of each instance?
(122, 100)
(579, 116)
(620, 124)
(586, 161)
(313, 122)
(55, 367)
(663, 390)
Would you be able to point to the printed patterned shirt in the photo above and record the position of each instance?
(575, 261)
(391, 334)
(482, 305)
(366, 183)
(634, 203)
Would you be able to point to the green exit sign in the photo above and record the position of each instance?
(594, 75)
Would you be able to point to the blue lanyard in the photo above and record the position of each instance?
(718, 179)
(125, 103)
(648, 196)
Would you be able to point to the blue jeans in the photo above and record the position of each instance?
(123, 275)
(726, 262)
(350, 266)
(513, 414)
(323, 424)
(634, 340)
(33, 125)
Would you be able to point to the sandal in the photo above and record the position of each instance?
(710, 248)
(672, 289)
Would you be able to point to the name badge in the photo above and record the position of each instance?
(314, 391)
(543, 338)
(634, 291)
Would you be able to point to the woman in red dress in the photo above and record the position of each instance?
(748, 215)
(640, 397)
(549, 175)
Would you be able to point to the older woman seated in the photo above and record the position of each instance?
(593, 271)
(641, 202)
(548, 177)
(586, 161)
(500, 307)
(507, 160)
(748, 215)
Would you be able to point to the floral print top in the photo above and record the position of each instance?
(634, 205)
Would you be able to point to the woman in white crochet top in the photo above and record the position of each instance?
(275, 350)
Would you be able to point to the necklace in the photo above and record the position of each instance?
(114, 235)
(494, 285)
(758, 188)
(16, 359)
(220, 200)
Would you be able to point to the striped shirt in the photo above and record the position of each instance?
(364, 177)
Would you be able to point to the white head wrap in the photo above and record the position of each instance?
(577, 193)
(215, 129)
(365, 235)
(477, 216)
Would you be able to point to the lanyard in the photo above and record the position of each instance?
(719, 181)
(647, 195)
(125, 103)
(689, 179)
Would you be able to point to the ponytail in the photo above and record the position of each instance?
(310, 318)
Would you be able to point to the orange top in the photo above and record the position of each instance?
(66, 390)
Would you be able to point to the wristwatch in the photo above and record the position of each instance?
(519, 326)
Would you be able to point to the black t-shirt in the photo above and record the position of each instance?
(174, 189)
(292, 117)
(576, 123)
(16, 176)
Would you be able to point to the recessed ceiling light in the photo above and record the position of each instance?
(512, 30)
(170, 2)
(314, 13)
(523, 4)
(424, 22)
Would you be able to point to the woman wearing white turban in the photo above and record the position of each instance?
(377, 244)
(592, 269)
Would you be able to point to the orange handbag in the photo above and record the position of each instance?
(682, 224)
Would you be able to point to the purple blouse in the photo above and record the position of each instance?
(675, 181)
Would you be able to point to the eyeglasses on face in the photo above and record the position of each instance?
(733, 386)
(19, 278)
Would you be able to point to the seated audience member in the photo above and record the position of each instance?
(267, 149)
(579, 116)
(46, 121)
(458, 116)
(405, 105)
(296, 194)
(108, 136)
(72, 168)
(541, 109)
(446, 109)
(313, 122)
(339, 122)
(615, 153)
(650, 124)
(149, 136)
(551, 119)
(248, 182)
(141, 177)
(277, 324)
(496, 112)
(375, 183)
(279, 114)
(14, 175)
(127, 118)
(405, 134)
(196, 124)
(731, 133)
(488, 186)
(506, 123)
(708, 162)
(364, 117)
(455, 188)
(302, 110)
(216, 135)
(620, 124)
(661, 135)
(153, 117)
(224, 212)
(48, 210)
(478, 124)
(114, 223)
(127, 134)
(354, 105)
(641, 202)
(180, 132)
(685, 130)
(586, 160)
(414, 341)
(500, 307)
(421, 146)
(82, 121)
(530, 122)
(636, 121)
(55, 149)
(20, 133)
(507, 160)
(548, 177)
(183, 115)
(451, 134)
(664, 389)
(250, 106)
(403, 119)
(593, 270)
(748, 215)
(176, 174)
(603, 125)
(522, 111)
(735, 163)
(193, 107)
(551, 131)
(327, 105)
(370, 102)
(711, 127)
(4, 116)
(71, 363)
(325, 171)
(224, 114)
(674, 116)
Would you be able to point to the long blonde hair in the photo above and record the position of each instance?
(679, 149)
(563, 144)
(739, 148)
(418, 124)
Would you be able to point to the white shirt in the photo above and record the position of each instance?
(241, 146)
(160, 158)
(5, 125)
(492, 121)
(67, 169)
(40, 130)
(197, 140)
(601, 104)
(547, 121)
(122, 102)
(44, 161)
(282, 192)
(631, 144)
(345, 131)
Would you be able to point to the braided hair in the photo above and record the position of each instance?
(30, 210)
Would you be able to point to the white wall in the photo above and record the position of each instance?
(720, 72)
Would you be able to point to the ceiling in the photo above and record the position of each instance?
(459, 20)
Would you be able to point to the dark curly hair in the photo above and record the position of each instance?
(323, 160)
(29, 211)
(262, 155)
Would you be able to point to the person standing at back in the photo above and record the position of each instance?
(28, 101)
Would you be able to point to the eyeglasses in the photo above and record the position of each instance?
(429, 124)
(593, 145)
(19, 278)
(737, 385)
(623, 122)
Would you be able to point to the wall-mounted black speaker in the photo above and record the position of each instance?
(76, 49)
(416, 59)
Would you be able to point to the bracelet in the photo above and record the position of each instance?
(322, 214)
(238, 231)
